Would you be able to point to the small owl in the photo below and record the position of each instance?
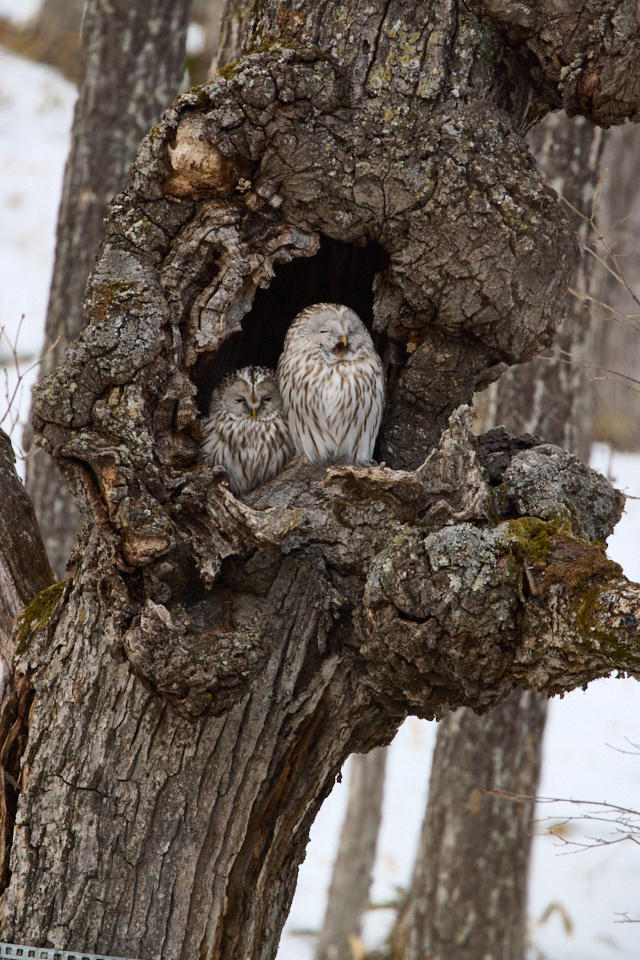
(332, 385)
(246, 431)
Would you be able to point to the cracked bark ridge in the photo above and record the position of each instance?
(24, 568)
(588, 51)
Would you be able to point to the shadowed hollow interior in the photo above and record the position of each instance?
(338, 273)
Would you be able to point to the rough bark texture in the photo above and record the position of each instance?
(351, 877)
(466, 834)
(469, 890)
(232, 30)
(584, 51)
(228, 655)
(24, 572)
(133, 63)
(24, 568)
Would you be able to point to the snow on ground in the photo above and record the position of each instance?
(589, 888)
(19, 10)
(36, 108)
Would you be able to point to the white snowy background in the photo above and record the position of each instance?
(586, 731)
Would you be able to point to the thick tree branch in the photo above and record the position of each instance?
(24, 568)
(587, 52)
(117, 103)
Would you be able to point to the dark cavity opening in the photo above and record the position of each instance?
(338, 273)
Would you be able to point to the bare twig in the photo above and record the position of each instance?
(625, 821)
(11, 415)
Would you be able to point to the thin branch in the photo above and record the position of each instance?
(636, 746)
(570, 358)
(11, 395)
(625, 820)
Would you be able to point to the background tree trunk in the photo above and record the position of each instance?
(466, 833)
(233, 32)
(351, 876)
(616, 401)
(198, 685)
(207, 14)
(51, 36)
(133, 64)
(469, 886)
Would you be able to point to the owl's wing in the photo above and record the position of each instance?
(372, 409)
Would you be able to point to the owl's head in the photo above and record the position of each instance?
(250, 393)
(333, 331)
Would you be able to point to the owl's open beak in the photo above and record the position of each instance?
(340, 346)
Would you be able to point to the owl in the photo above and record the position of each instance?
(332, 385)
(246, 431)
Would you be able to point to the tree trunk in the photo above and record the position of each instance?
(351, 877)
(207, 14)
(24, 572)
(233, 28)
(544, 397)
(616, 400)
(133, 63)
(24, 568)
(449, 915)
(199, 684)
(469, 888)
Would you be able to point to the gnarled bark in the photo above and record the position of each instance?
(305, 655)
(229, 654)
(583, 51)
(24, 568)
(133, 64)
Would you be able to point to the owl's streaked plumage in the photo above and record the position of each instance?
(332, 384)
(246, 431)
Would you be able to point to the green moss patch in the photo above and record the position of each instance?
(532, 539)
(37, 615)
